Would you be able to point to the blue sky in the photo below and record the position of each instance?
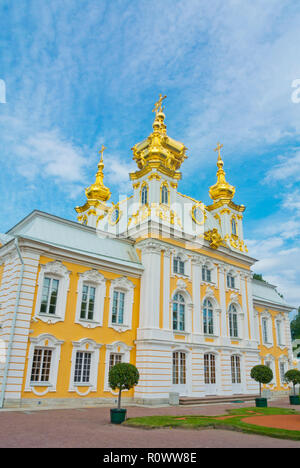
(79, 74)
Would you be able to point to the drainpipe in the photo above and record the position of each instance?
(13, 326)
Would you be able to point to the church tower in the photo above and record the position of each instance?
(225, 211)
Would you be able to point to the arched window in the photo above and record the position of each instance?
(233, 227)
(208, 323)
(144, 195)
(233, 321)
(164, 195)
(178, 265)
(178, 312)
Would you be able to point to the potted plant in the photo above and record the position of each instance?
(293, 375)
(262, 375)
(122, 376)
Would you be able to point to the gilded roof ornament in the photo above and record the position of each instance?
(98, 191)
(159, 151)
(222, 190)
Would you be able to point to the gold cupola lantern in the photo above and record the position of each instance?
(98, 191)
(222, 190)
(159, 152)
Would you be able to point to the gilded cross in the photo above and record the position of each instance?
(101, 152)
(158, 105)
(218, 149)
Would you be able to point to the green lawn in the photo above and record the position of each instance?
(234, 422)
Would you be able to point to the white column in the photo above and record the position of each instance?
(150, 285)
(248, 282)
(166, 290)
(196, 275)
(223, 319)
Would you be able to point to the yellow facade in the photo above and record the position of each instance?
(69, 331)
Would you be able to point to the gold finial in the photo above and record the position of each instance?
(158, 107)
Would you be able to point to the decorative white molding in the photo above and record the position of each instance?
(126, 286)
(55, 270)
(90, 346)
(95, 279)
(49, 342)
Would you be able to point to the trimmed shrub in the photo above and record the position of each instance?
(261, 374)
(123, 376)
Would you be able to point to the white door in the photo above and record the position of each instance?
(210, 374)
(179, 373)
(236, 374)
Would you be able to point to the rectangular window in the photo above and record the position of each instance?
(233, 325)
(41, 364)
(230, 281)
(118, 307)
(206, 274)
(114, 359)
(278, 326)
(265, 330)
(82, 367)
(235, 370)
(87, 302)
(49, 296)
(282, 372)
(178, 266)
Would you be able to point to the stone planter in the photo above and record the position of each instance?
(261, 402)
(294, 400)
(117, 416)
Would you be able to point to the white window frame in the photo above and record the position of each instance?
(178, 312)
(280, 342)
(95, 279)
(270, 358)
(55, 270)
(45, 341)
(90, 346)
(236, 277)
(124, 285)
(238, 326)
(283, 360)
(186, 261)
(213, 317)
(268, 318)
(118, 347)
(213, 272)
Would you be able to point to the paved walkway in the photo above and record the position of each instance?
(90, 427)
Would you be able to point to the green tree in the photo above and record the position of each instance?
(293, 375)
(295, 326)
(123, 376)
(262, 374)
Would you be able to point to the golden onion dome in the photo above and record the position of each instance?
(98, 191)
(222, 190)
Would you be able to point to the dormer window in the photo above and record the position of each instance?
(206, 274)
(144, 195)
(178, 266)
(164, 195)
(230, 281)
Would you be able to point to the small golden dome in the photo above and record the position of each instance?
(98, 191)
(222, 190)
